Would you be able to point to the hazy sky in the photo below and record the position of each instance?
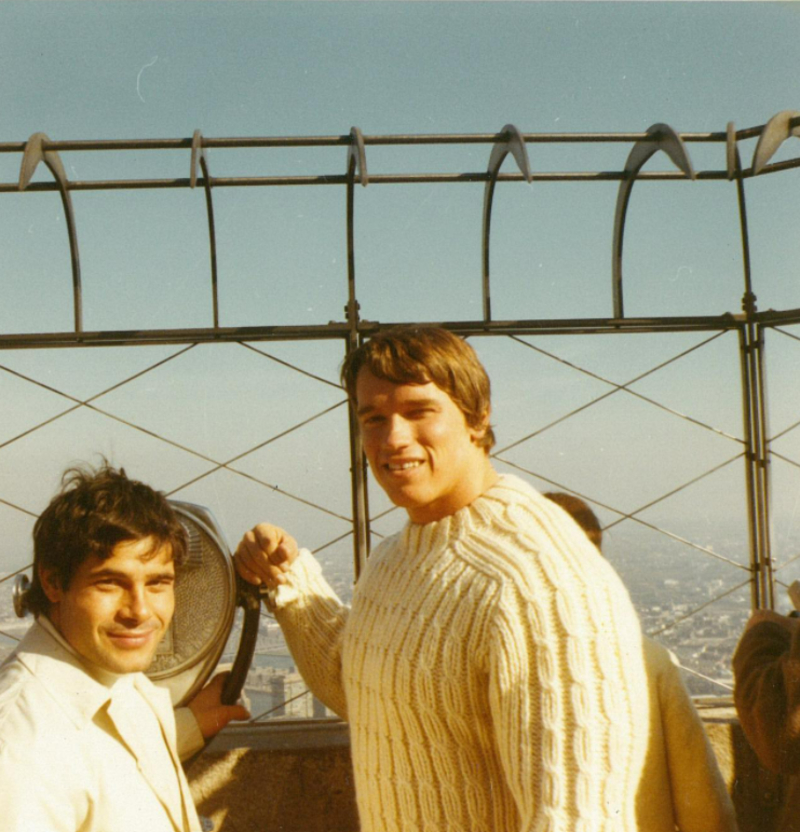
(112, 70)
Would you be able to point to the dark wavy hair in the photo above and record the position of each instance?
(421, 354)
(93, 512)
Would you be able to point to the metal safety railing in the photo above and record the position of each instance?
(748, 326)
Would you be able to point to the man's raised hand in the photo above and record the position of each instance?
(264, 555)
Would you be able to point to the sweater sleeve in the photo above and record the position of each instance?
(189, 736)
(699, 796)
(766, 667)
(312, 619)
(515, 700)
(560, 703)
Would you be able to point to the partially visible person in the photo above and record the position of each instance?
(87, 742)
(681, 778)
(490, 666)
(766, 669)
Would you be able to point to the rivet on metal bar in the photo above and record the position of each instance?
(33, 154)
(356, 154)
(200, 158)
(512, 143)
(660, 137)
(774, 134)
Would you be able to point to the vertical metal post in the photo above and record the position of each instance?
(754, 466)
(358, 472)
(751, 339)
(767, 584)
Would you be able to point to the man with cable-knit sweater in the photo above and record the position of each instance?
(490, 666)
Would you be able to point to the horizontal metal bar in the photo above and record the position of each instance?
(171, 336)
(334, 330)
(374, 179)
(390, 139)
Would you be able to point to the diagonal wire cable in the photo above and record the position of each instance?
(782, 331)
(18, 508)
(700, 675)
(680, 619)
(791, 560)
(15, 573)
(785, 459)
(290, 366)
(80, 402)
(87, 404)
(226, 465)
(616, 389)
(631, 516)
(278, 707)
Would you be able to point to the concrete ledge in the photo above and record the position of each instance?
(287, 776)
(296, 776)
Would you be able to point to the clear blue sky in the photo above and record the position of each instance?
(104, 70)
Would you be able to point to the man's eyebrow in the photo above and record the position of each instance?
(425, 402)
(115, 573)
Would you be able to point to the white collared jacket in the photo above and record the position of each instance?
(71, 760)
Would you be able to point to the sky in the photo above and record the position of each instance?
(116, 70)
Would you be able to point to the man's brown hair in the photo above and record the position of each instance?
(93, 512)
(422, 354)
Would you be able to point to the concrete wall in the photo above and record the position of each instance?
(296, 777)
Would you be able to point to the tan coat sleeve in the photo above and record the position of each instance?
(700, 799)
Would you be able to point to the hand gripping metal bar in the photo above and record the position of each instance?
(659, 137)
(199, 158)
(775, 132)
(34, 153)
(511, 143)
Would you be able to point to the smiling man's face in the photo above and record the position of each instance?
(116, 611)
(420, 447)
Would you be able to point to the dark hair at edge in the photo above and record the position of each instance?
(580, 513)
(422, 354)
(94, 511)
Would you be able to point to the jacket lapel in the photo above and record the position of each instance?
(122, 711)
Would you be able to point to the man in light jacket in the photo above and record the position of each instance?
(87, 742)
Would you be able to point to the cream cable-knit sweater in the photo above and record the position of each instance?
(490, 668)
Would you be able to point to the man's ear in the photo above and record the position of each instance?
(50, 584)
(479, 431)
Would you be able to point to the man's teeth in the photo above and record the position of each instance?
(403, 466)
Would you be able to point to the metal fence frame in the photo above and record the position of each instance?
(749, 325)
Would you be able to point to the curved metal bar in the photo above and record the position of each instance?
(513, 143)
(659, 137)
(774, 134)
(731, 151)
(357, 153)
(34, 153)
(735, 172)
(200, 157)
